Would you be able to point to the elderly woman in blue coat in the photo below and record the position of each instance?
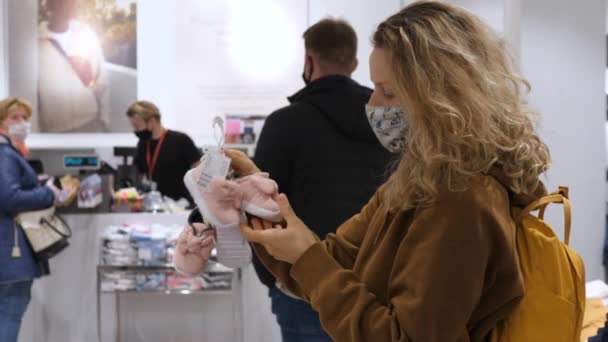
(20, 191)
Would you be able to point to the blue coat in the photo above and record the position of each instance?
(19, 192)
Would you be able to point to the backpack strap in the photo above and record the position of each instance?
(560, 196)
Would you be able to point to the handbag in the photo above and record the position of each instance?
(46, 232)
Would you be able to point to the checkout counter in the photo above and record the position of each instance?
(71, 306)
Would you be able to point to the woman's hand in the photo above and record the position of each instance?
(283, 243)
(193, 251)
(56, 192)
(241, 163)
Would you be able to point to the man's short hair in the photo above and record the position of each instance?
(334, 42)
(146, 109)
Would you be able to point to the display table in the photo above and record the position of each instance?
(234, 293)
(64, 308)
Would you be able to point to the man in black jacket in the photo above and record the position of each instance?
(323, 154)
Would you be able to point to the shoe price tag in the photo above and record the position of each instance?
(214, 164)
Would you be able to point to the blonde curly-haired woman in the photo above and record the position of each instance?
(431, 257)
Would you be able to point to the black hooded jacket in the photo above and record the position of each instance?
(323, 154)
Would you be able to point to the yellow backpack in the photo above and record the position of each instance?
(554, 280)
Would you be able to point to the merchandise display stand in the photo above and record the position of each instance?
(64, 306)
(234, 291)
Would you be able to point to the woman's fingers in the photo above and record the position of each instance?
(257, 224)
(207, 241)
(241, 163)
(267, 224)
(286, 210)
(260, 235)
(198, 228)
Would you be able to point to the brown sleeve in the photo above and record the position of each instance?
(436, 280)
(342, 246)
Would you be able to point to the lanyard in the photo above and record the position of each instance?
(151, 162)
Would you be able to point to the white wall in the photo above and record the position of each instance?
(606, 19)
(156, 55)
(22, 51)
(230, 62)
(491, 11)
(3, 50)
(563, 54)
(364, 16)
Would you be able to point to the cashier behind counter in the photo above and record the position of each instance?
(163, 156)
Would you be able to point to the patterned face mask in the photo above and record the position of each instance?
(389, 125)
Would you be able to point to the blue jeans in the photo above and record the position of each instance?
(298, 321)
(14, 298)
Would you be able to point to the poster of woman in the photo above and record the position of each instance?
(86, 64)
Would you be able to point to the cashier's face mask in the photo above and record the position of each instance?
(144, 134)
(389, 125)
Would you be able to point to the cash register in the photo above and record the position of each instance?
(96, 183)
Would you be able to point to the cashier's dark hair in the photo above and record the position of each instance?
(333, 41)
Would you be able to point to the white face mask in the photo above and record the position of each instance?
(19, 131)
(389, 125)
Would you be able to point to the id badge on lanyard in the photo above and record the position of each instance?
(151, 160)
